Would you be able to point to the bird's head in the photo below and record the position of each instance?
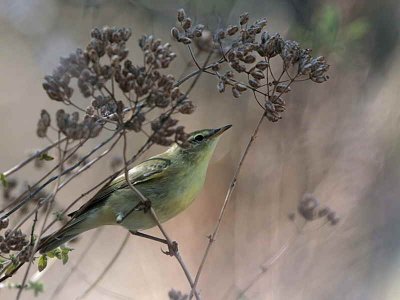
(201, 143)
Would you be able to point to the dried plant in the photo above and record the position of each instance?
(131, 97)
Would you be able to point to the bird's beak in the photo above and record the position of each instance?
(219, 131)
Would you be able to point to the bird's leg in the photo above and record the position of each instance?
(172, 249)
(145, 206)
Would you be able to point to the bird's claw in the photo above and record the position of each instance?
(172, 249)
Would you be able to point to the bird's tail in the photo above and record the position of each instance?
(72, 229)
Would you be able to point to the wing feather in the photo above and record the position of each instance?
(147, 170)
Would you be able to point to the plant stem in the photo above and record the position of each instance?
(228, 196)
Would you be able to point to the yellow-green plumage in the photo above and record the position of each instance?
(171, 181)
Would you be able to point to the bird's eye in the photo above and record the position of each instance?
(198, 138)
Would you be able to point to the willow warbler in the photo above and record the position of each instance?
(170, 180)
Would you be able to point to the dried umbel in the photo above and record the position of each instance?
(187, 31)
(104, 66)
(249, 51)
(71, 127)
(43, 123)
(13, 241)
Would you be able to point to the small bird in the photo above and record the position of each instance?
(170, 180)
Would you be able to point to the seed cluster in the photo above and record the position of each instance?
(145, 88)
(71, 127)
(177, 295)
(250, 50)
(310, 210)
(13, 241)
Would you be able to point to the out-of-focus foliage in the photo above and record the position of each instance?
(329, 34)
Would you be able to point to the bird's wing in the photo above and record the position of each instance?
(148, 170)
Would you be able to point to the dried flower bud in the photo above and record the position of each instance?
(238, 67)
(215, 67)
(273, 116)
(4, 223)
(249, 59)
(262, 65)
(231, 30)
(269, 106)
(322, 212)
(175, 33)
(333, 218)
(186, 107)
(187, 23)
(254, 83)
(282, 88)
(185, 40)
(244, 18)
(257, 74)
(235, 92)
(240, 87)
(307, 207)
(221, 86)
(181, 15)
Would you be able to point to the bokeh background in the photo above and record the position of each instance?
(338, 140)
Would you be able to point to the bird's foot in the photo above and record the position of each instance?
(145, 206)
(172, 249)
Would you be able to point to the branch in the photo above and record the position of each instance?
(170, 243)
(231, 188)
(32, 157)
(66, 171)
(64, 280)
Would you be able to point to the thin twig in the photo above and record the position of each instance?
(85, 252)
(106, 269)
(32, 157)
(231, 188)
(66, 171)
(170, 243)
(264, 267)
(49, 207)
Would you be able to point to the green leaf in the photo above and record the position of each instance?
(64, 254)
(54, 253)
(42, 263)
(357, 29)
(10, 269)
(57, 253)
(3, 180)
(45, 156)
(64, 257)
(36, 286)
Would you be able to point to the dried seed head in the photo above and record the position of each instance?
(186, 107)
(257, 74)
(240, 87)
(283, 88)
(262, 65)
(333, 218)
(181, 15)
(4, 223)
(244, 18)
(185, 40)
(254, 83)
(231, 30)
(187, 23)
(308, 207)
(221, 86)
(235, 92)
(175, 33)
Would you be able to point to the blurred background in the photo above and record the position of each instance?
(338, 140)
